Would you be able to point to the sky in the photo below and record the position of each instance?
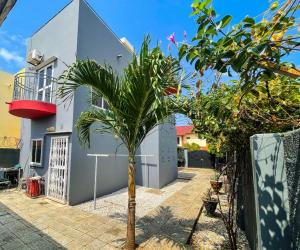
(127, 18)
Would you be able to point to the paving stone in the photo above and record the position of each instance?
(98, 232)
(15, 244)
(29, 237)
(49, 225)
(6, 218)
(7, 237)
(75, 245)
(108, 247)
(45, 245)
(95, 245)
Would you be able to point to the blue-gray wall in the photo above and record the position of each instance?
(271, 192)
(56, 38)
(96, 41)
(78, 33)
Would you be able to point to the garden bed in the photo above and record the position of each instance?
(211, 233)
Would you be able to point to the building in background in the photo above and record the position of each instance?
(51, 148)
(9, 125)
(186, 135)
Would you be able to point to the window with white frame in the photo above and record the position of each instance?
(44, 87)
(36, 151)
(98, 101)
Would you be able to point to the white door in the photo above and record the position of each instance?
(58, 169)
(44, 88)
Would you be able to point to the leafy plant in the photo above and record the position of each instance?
(216, 176)
(136, 104)
(253, 49)
(209, 196)
(191, 146)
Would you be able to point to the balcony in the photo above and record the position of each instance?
(33, 95)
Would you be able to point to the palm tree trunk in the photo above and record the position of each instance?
(130, 242)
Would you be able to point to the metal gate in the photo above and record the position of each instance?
(58, 169)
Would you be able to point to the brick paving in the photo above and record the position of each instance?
(43, 224)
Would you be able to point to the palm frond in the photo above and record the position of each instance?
(101, 79)
(136, 99)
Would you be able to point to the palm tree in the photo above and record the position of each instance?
(136, 104)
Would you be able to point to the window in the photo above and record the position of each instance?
(178, 140)
(188, 137)
(45, 84)
(36, 151)
(98, 101)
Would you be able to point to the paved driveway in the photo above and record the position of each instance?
(43, 224)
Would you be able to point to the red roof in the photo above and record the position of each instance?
(183, 130)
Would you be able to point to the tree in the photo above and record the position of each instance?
(226, 118)
(191, 146)
(266, 96)
(253, 49)
(136, 104)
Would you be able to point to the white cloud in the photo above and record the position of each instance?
(11, 56)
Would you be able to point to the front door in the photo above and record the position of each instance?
(58, 169)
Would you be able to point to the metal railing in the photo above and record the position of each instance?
(32, 86)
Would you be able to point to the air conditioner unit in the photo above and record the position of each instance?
(35, 57)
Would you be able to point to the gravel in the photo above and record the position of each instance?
(115, 205)
(211, 233)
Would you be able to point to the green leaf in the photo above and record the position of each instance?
(191, 55)
(201, 19)
(226, 19)
(229, 72)
(258, 50)
(211, 30)
(220, 66)
(197, 65)
(238, 63)
(182, 51)
(274, 5)
(249, 20)
(254, 92)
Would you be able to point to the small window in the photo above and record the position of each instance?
(188, 138)
(36, 151)
(99, 101)
(178, 140)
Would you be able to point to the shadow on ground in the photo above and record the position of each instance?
(161, 229)
(17, 233)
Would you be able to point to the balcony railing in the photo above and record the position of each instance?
(34, 86)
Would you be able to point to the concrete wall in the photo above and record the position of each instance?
(9, 125)
(96, 41)
(56, 38)
(271, 192)
(291, 144)
(147, 173)
(78, 33)
(9, 157)
(168, 170)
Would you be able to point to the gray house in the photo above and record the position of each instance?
(50, 143)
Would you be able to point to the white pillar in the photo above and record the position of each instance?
(186, 158)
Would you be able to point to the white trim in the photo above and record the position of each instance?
(37, 164)
(95, 106)
(59, 167)
(45, 87)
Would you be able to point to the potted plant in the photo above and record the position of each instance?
(210, 203)
(215, 182)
